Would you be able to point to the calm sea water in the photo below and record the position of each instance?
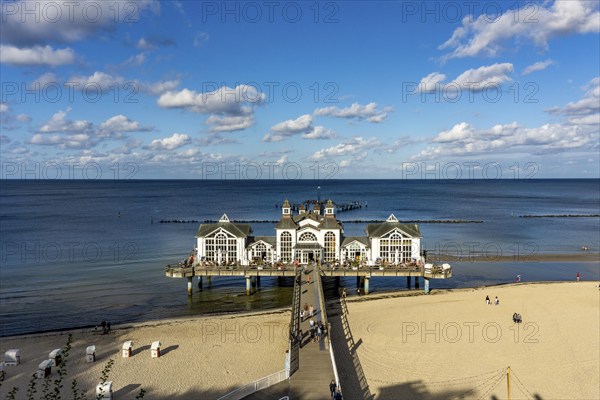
(76, 252)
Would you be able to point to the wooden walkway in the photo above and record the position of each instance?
(312, 380)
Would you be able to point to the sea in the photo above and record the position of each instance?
(76, 252)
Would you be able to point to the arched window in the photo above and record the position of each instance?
(307, 237)
(260, 250)
(390, 248)
(221, 245)
(286, 247)
(330, 245)
(355, 252)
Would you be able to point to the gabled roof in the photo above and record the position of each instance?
(238, 230)
(286, 222)
(329, 223)
(380, 229)
(360, 239)
(309, 222)
(307, 215)
(271, 240)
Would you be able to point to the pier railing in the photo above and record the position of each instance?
(294, 343)
(255, 386)
(328, 342)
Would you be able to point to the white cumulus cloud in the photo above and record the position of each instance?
(486, 35)
(38, 55)
(173, 142)
(370, 112)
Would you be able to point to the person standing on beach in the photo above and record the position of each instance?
(487, 300)
(578, 276)
(332, 387)
(496, 301)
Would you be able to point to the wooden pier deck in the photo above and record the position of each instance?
(312, 380)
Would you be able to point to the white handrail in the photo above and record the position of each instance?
(255, 386)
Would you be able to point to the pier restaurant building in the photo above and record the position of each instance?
(310, 235)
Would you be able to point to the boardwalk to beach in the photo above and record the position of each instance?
(312, 380)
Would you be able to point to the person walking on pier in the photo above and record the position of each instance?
(332, 387)
(338, 395)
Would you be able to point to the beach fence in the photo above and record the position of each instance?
(257, 385)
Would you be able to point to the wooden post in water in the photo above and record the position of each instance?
(426, 288)
(367, 279)
(190, 291)
(248, 285)
(408, 282)
(416, 282)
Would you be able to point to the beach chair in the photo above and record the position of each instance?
(56, 357)
(155, 349)
(127, 349)
(12, 357)
(90, 354)
(104, 391)
(44, 369)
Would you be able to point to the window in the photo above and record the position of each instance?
(307, 237)
(355, 252)
(221, 248)
(391, 249)
(330, 245)
(286, 246)
(259, 250)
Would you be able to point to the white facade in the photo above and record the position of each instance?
(313, 235)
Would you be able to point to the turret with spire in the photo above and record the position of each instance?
(286, 208)
(329, 208)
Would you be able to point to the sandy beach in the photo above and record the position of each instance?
(201, 358)
(447, 345)
(452, 345)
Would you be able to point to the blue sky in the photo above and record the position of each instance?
(246, 90)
